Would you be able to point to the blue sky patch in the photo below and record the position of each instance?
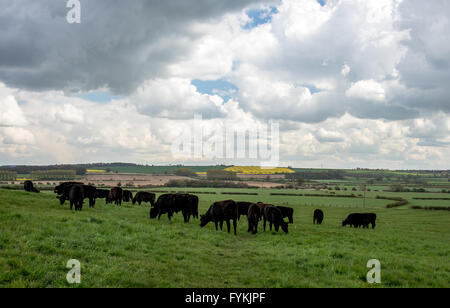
(322, 2)
(220, 87)
(97, 97)
(259, 17)
(312, 88)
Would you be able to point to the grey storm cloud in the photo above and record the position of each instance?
(118, 44)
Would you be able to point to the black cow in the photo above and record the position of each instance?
(29, 187)
(274, 216)
(253, 217)
(88, 192)
(318, 217)
(116, 195)
(101, 194)
(219, 212)
(59, 190)
(243, 208)
(357, 220)
(127, 196)
(143, 196)
(174, 203)
(261, 208)
(76, 197)
(287, 212)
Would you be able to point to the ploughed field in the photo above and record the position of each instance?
(122, 247)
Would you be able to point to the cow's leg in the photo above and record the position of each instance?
(264, 218)
(228, 226)
(221, 225)
(234, 225)
(217, 225)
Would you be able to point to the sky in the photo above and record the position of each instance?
(351, 83)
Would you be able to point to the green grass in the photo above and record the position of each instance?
(122, 247)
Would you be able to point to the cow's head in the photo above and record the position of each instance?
(153, 213)
(344, 223)
(62, 199)
(204, 219)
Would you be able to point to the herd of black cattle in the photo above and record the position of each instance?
(218, 213)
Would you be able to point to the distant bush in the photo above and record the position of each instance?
(221, 175)
(184, 172)
(435, 208)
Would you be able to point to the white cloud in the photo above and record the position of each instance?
(174, 98)
(367, 90)
(69, 114)
(10, 112)
(345, 70)
(17, 136)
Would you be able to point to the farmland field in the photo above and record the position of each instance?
(122, 247)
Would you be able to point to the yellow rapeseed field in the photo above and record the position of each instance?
(95, 171)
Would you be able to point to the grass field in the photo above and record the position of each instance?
(122, 247)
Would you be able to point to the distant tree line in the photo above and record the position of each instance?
(79, 169)
(63, 175)
(8, 175)
(317, 175)
(185, 172)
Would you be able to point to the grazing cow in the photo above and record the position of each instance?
(174, 203)
(262, 206)
(357, 220)
(76, 197)
(274, 216)
(88, 192)
(143, 196)
(318, 217)
(243, 208)
(287, 212)
(253, 217)
(127, 196)
(219, 212)
(101, 194)
(371, 218)
(29, 187)
(116, 195)
(59, 190)
(193, 204)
